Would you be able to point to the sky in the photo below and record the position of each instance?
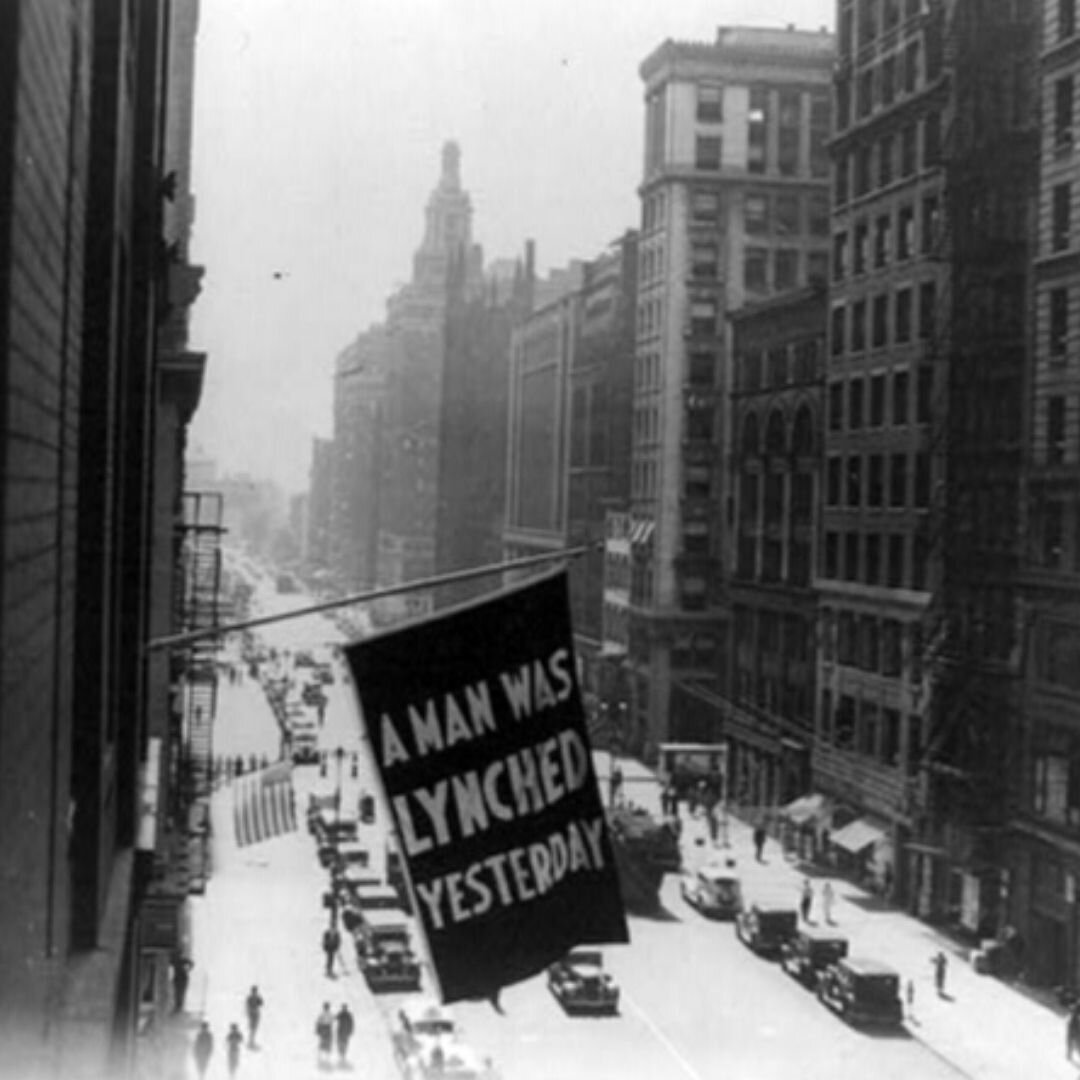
(318, 133)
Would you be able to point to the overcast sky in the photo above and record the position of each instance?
(318, 132)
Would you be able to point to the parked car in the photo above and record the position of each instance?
(809, 952)
(580, 984)
(765, 927)
(384, 952)
(862, 992)
(715, 890)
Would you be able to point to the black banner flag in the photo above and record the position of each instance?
(477, 729)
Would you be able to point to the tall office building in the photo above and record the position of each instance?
(734, 204)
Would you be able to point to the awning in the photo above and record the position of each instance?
(806, 809)
(642, 532)
(857, 836)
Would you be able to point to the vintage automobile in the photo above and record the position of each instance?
(862, 992)
(384, 952)
(580, 984)
(765, 926)
(714, 889)
(313, 695)
(457, 1062)
(809, 952)
(419, 1026)
(304, 741)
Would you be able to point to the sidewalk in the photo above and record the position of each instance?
(982, 1027)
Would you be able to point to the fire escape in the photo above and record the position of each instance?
(976, 352)
(200, 602)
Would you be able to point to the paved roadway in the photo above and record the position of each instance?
(695, 1003)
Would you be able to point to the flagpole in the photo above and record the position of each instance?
(174, 640)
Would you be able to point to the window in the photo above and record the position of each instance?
(755, 269)
(757, 130)
(1059, 321)
(786, 269)
(924, 392)
(922, 480)
(707, 152)
(873, 559)
(858, 326)
(1063, 113)
(900, 398)
(891, 647)
(845, 645)
(862, 238)
(836, 406)
(868, 646)
(705, 257)
(710, 103)
(902, 329)
(820, 113)
(841, 178)
(817, 267)
(1062, 216)
(864, 93)
(851, 556)
(882, 229)
(920, 563)
(790, 130)
(703, 316)
(1053, 534)
(787, 215)
(875, 483)
(894, 570)
(927, 310)
(905, 233)
(853, 498)
(931, 139)
(855, 404)
(832, 555)
(877, 401)
(931, 222)
(839, 256)
(832, 481)
(863, 159)
(756, 214)
(880, 329)
(898, 480)
(845, 722)
(888, 81)
(911, 67)
(818, 215)
(890, 732)
(705, 207)
(701, 369)
(885, 160)
(1066, 18)
(1055, 431)
(778, 366)
(908, 163)
(836, 331)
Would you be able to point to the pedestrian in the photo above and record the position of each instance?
(759, 842)
(827, 898)
(911, 999)
(233, 1039)
(806, 901)
(253, 1007)
(204, 1048)
(941, 964)
(239, 769)
(616, 784)
(324, 1033)
(343, 1031)
(331, 942)
(181, 968)
(1072, 1032)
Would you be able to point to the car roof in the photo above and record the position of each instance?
(821, 933)
(861, 965)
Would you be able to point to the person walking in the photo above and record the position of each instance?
(941, 965)
(253, 1004)
(181, 975)
(344, 1027)
(232, 1050)
(806, 901)
(827, 898)
(331, 942)
(204, 1048)
(324, 1033)
(1072, 1032)
(759, 842)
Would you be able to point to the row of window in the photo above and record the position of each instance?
(875, 17)
(874, 731)
(876, 400)
(883, 244)
(786, 214)
(766, 271)
(880, 86)
(781, 365)
(873, 166)
(876, 559)
(870, 324)
(870, 644)
(899, 481)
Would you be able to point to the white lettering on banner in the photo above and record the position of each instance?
(442, 722)
(515, 876)
(534, 778)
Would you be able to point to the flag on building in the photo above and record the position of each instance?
(477, 730)
(264, 805)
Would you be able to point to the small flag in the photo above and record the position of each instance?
(264, 805)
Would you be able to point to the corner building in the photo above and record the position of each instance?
(734, 203)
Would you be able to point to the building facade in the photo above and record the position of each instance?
(734, 203)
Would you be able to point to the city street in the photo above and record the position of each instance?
(695, 1002)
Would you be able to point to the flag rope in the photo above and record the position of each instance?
(174, 640)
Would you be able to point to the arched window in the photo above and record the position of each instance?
(750, 437)
(775, 436)
(802, 437)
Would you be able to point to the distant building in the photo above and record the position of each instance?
(734, 199)
(315, 550)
